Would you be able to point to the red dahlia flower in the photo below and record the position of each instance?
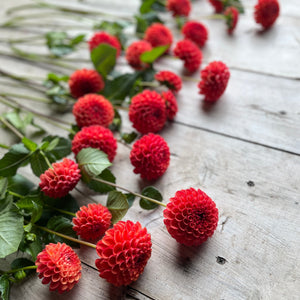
(95, 137)
(85, 81)
(133, 53)
(179, 7)
(171, 104)
(191, 217)
(150, 156)
(147, 112)
(266, 12)
(196, 32)
(189, 52)
(93, 109)
(214, 80)
(218, 5)
(104, 38)
(231, 16)
(169, 79)
(59, 265)
(158, 35)
(59, 180)
(124, 252)
(92, 221)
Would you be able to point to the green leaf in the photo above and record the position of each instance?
(128, 138)
(17, 156)
(57, 78)
(118, 205)
(145, 20)
(29, 144)
(146, 6)
(150, 192)
(38, 163)
(4, 287)
(117, 122)
(235, 3)
(104, 58)
(92, 162)
(3, 187)
(11, 227)
(20, 185)
(57, 149)
(154, 54)
(130, 199)
(33, 248)
(100, 187)
(180, 21)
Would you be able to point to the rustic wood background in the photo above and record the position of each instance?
(251, 134)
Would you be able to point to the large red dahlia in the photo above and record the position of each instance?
(133, 53)
(196, 32)
(60, 266)
(124, 252)
(266, 12)
(104, 38)
(179, 7)
(158, 35)
(169, 79)
(218, 5)
(191, 217)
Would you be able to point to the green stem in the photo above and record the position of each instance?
(4, 146)
(21, 269)
(12, 128)
(187, 78)
(213, 17)
(61, 211)
(67, 237)
(46, 159)
(38, 99)
(150, 84)
(127, 190)
(15, 194)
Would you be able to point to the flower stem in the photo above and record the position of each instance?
(46, 159)
(38, 99)
(150, 84)
(187, 78)
(12, 128)
(66, 237)
(21, 269)
(4, 146)
(61, 210)
(127, 190)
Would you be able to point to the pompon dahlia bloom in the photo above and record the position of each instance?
(169, 79)
(171, 104)
(58, 181)
(218, 5)
(92, 221)
(231, 16)
(60, 266)
(179, 7)
(191, 217)
(266, 12)
(158, 35)
(124, 252)
(93, 109)
(150, 156)
(147, 112)
(214, 80)
(196, 32)
(104, 38)
(189, 52)
(133, 53)
(97, 137)
(85, 81)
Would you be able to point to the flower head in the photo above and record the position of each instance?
(214, 80)
(191, 217)
(218, 5)
(58, 181)
(85, 81)
(188, 51)
(266, 12)
(97, 137)
(92, 221)
(169, 79)
(150, 156)
(158, 35)
(171, 104)
(104, 38)
(133, 53)
(179, 7)
(124, 252)
(60, 266)
(147, 112)
(93, 109)
(232, 16)
(196, 32)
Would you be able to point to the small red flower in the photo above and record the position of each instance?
(134, 52)
(169, 79)
(59, 265)
(158, 35)
(218, 5)
(196, 32)
(191, 217)
(59, 180)
(147, 112)
(97, 137)
(92, 221)
(171, 104)
(150, 156)
(231, 16)
(214, 80)
(104, 38)
(93, 109)
(124, 252)
(85, 81)
(179, 7)
(188, 51)
(266, 12)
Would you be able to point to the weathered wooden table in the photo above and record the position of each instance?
(243, 152)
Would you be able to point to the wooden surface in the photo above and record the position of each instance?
(251, 134)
